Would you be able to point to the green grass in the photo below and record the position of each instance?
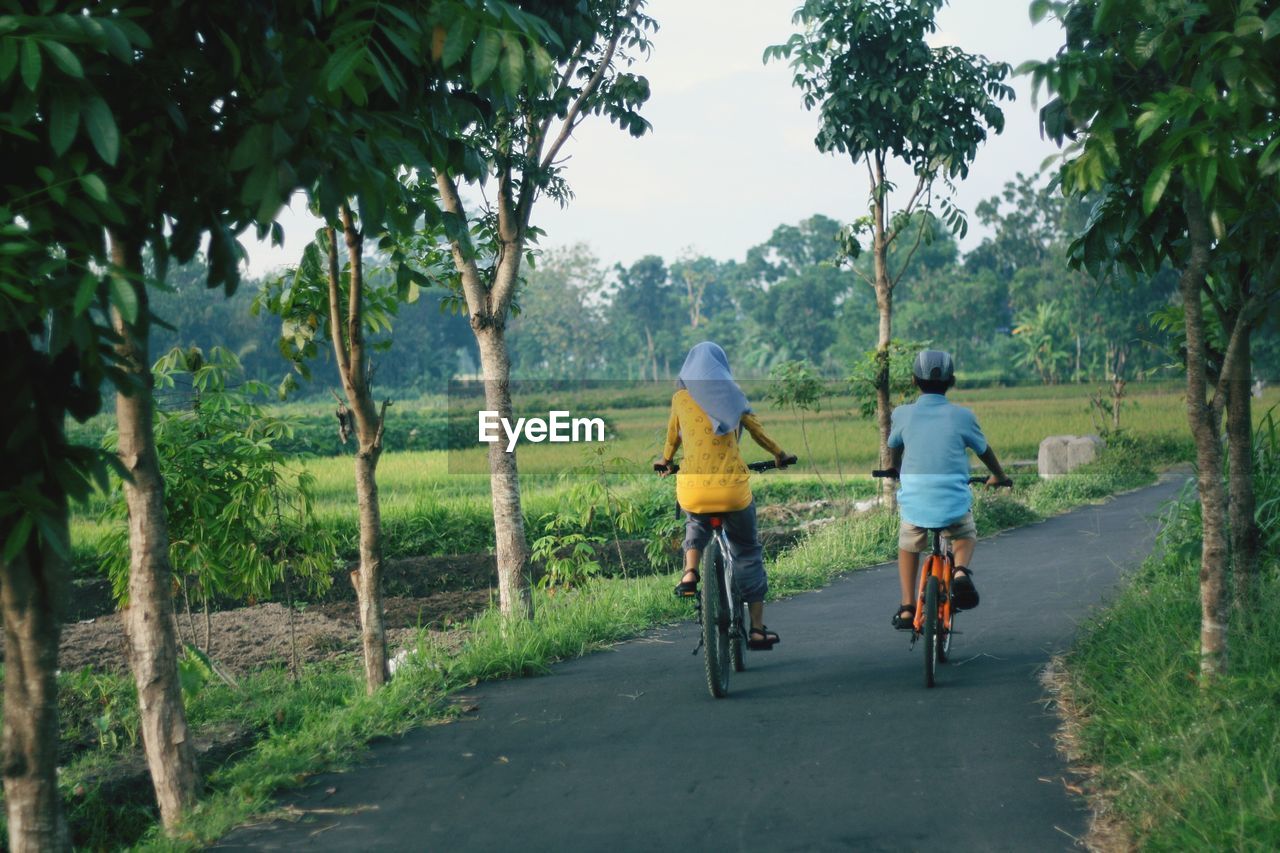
(1184, 768)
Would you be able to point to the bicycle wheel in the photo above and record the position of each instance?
(930, 629)
(715, 621)
(737, 640)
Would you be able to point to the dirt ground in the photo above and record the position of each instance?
(435, 593)
(249, 638)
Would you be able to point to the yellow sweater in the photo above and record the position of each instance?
(712, 478)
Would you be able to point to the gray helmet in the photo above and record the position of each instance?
(936, 365)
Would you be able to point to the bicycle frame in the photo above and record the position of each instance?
(731, 594)
(939, 564)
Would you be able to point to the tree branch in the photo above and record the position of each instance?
(355, 295)
(572, 117)
(1234, 345)
(902, 270)
(472, 288)
(911, 203)
(335, 311)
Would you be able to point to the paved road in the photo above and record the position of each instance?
(829, 742)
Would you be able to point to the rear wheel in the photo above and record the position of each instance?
(929, 631)
(715, 621)
(738, 642)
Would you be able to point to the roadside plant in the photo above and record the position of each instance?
(569, 559)
(591, 493)
(796, 386)
(894, 361)
(240, 514)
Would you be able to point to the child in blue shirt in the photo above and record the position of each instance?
(929, 441)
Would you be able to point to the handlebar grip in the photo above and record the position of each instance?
(1006, 483)
(891, 473)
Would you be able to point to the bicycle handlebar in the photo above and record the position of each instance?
(767, 465)
(892, 473)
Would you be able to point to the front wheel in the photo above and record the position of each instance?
(715, 621)
(929, 632)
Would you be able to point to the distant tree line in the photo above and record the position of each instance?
(1011, 310)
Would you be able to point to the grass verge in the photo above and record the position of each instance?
(324, 721)
(1173, 766)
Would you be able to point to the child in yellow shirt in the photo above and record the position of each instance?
(708, 413)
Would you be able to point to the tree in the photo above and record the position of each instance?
(883, 94)
(1171, 110)
(645, 304)
(559, 332)
(522, 140)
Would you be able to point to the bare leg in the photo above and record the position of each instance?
(757, 614)
(963, 549)
(691, 560)
(908, 561)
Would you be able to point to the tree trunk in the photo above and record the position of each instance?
(373, 632)
(1246, 542)
(354, 372)
(32, 582)
(1203, 419)
(884, 307)
(511, 545)
(148, 618)
(32, 586)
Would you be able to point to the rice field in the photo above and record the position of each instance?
(439, 500)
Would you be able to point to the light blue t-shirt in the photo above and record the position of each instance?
(935, 467)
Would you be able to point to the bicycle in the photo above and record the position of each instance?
(935, 613)
(722, 615)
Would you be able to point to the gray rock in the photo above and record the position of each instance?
(1083, 450)
(1062, 453)
(1052, 458)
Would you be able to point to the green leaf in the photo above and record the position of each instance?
(64, 118)
(30, 64)
(1152, 120)
(456, 42)
(124, 298)
(64, 59)
(17, 537)
(1157, 183)
(341, 67)
(102, 129)
(94, 186)
(85, 292)
(485, 56)
(512, 70)
(1039, 8)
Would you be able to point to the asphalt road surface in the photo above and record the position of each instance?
(828, 742)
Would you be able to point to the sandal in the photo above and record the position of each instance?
(963, 593)
(688, 589)
(904, 618)
(767, 639)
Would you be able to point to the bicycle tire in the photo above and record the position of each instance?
(715, 621)
(738, 643)
(929, 631)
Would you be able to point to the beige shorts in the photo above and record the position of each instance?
(917, 539)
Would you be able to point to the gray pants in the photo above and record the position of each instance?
(744, 548)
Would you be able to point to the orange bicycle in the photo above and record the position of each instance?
(935, 611)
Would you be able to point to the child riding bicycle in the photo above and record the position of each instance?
(928, 440)
(708, 414)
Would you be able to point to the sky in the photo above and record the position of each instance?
(731, 154)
